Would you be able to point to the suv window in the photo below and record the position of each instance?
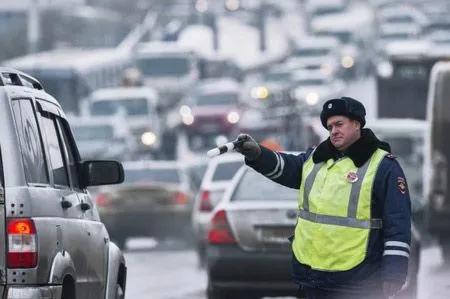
(54, 150)
(70, 153)
(226, 171)
(30, 142)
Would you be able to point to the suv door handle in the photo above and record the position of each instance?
(65, 204)
(84, 206)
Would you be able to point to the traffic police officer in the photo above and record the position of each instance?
(353, 232)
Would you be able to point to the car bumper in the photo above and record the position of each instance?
(232, 268)
(34, 292)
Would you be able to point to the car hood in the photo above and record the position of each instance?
(213, 110)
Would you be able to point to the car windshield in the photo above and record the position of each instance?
(307, 82)
(254, 186)
(164, 66)
(345, 37)
(226, 170)
(161, 175)
(88, 133)
(312, 52)
(278, 76)
(132, 107)
(395, 36)
(216, 99)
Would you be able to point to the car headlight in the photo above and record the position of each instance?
(233, 117)
(260, 93)
(347, 62)
(312, 98)
(187, 119)
(148, 138)
(184, 110)
(326, 69)
(385, 69)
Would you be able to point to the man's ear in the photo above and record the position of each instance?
(357, 124)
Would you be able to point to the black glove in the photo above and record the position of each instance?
(249, 148)
(391, 288)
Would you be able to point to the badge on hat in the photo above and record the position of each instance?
(330, 105)
(351, 177)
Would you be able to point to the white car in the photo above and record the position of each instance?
(219, 172)
(317, 53)
(312, 89)
(103, 138)
(140, 107)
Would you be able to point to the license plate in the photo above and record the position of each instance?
(277, 235)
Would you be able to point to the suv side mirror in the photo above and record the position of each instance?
(95, 173)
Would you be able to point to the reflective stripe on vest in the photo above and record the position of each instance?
(334, 220)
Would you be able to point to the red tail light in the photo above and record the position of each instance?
(181, 198)
(220, 231)
(102, 200)
(22, 246)
(205, 202)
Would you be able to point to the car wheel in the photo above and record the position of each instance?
(119, 292)
(214, 293)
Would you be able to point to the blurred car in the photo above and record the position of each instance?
(213, 108)
(317, 53)
(140, 106)
(155, 200)
(219, 172)
(402, 14)
(248, 251)
(321, 8)
(356, 39)
(168, 67)
(312, 89)
(388, 33)
(217, 66)
(103, 137)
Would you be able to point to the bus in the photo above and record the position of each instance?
(402, 78)
(437, 156)
(71, 74)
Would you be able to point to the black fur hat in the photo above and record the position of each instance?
(345, 106)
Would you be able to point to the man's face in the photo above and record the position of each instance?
(343, 131)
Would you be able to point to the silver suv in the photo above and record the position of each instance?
(53, 242)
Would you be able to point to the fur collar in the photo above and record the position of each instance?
(359, 152)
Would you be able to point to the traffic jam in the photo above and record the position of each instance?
(232, 149)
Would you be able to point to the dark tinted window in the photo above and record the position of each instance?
(217, 99)
(55, 152)
(254, 186)
(30, 142)
(164, 66)
(70, 154)
(226, 171)
(163, 175)
(138, 106)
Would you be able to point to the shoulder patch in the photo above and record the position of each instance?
(391, 156)
(401, 184)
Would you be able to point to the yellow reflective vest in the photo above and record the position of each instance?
(334, 216)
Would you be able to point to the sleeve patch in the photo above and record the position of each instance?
(401, 184)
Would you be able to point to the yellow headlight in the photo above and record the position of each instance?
(148, 138)
(347, 62)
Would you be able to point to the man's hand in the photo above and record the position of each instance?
(250, 148)
(391, 288)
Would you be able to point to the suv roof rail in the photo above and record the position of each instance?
(10, 76)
